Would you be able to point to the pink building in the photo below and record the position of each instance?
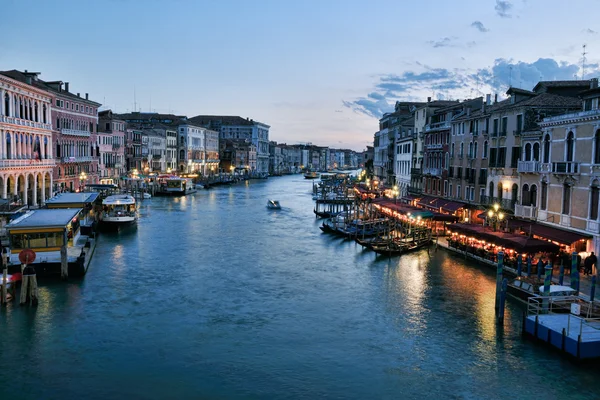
(74, 136)
(111, 145)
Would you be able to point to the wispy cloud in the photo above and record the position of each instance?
(503, 8)
(443, 42)
(590, 31)
(459, 83)
(479, 26)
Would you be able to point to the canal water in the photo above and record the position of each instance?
(214, 296)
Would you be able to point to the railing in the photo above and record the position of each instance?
(528, 167)
(502, 133)
(517, 132)
(77, 159)
(565, 168)
(432, 171)
(593, 226)
(27, 163)
(434, 146)
(74, 132)
(525, 211)
(565, 220)
(118, 165)
(109, 165)
(116, 145)
(437, 125)
(572, 115)
(156, 156)
(24, 122)
(505, 204)
(545, 167)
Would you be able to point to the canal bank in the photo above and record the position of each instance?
(214, 296)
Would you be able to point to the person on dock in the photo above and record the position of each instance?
(589, 262)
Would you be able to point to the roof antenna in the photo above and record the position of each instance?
(583, 62)
(134, 103)
(510, 77)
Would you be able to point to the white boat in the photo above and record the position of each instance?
(273, 205)
(147, 195)
(175, 186)
(119, 209)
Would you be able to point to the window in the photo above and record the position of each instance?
(452, 150)
(515, 156)
(597, 147)
(570, 147)
(544, 198)
(533, 196)
(462, 149)
(485, 149)
(566, 203)
(528, 152)
(547, 148)
(493, 153)
(495, 132)
(594, 192)
(504, 126)
(501, 162)
(525, 200)
(445, 188)
(475, 150)
(471, 150)
(481, 193)
(458, 192)
(450, 189)
(536, 152)
(491, 190)
(519, 123)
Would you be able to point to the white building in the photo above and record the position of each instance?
(403, 155)
(191, 148)
(26, 158)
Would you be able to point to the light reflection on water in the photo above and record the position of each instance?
(214, 296)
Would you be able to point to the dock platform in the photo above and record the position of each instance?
(576, 336)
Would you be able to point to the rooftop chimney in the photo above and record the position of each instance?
(488, 99)
(66, 86)
(495, 98)
(593, 83)
(78, 95)
(468, 111)
(429, 99)
(86, 96)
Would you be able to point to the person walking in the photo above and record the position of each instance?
(590, 261)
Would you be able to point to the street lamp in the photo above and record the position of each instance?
(495, 216)
(82, 179)
(395, 192)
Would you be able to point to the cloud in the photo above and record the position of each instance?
(590, 31)
(479, 26)
(503, 8)
(442, 83)
(443, 42)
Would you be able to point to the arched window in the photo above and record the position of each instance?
(462, 149)
(500, 190)
(182, 154)
(597, 147)
(452, 150)
(594, 192)
(447, 161)
(566, 203)
(485, 149)
(8, 146)
(491, 189)
(35, 113)
(533, 196)
(528, 152)
(547, 149)
(570, 147)
(536, 152)
(514, 193)
(544, 196)
(44, 119)
(475, 150)
(471, 150)
(525, 200)
(6, 104)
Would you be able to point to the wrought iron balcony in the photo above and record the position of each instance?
(432, 171)
(77, 159)
(433, 146)
(75, 132)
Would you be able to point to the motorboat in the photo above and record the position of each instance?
(311, 175)
(273, 205)
(524, 288)
(175, 186)
(119, 210)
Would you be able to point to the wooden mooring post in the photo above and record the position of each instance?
(499, 271)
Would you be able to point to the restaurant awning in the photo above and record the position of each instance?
(520, 243)
(548, 232)
(452, 206)
(426, 200)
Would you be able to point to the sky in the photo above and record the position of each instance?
(318, 71)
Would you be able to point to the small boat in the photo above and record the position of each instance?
(273, 205)
(398, 248)
(118, 210)
(523, 288)
(147, 195)
(311, 175)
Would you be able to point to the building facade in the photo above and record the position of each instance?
(26, 150)
(111, 144)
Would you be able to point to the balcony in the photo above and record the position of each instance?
(517, 132)
(484, 132)
(572, 116)
(432, 171)
(528, 167)
(77, 159)
(118, 165)
(437, 125)
(525, 211)
(109, 164)
(503, 133)
(571, 168)
(116, 146)
(75, 132)
(592, 226)
(415, 172)
(434, 146)
(156, 156)
(24, 122)
(505, 204)
(27, 163)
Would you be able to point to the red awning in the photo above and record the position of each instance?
(547, 232)
(452, 206)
